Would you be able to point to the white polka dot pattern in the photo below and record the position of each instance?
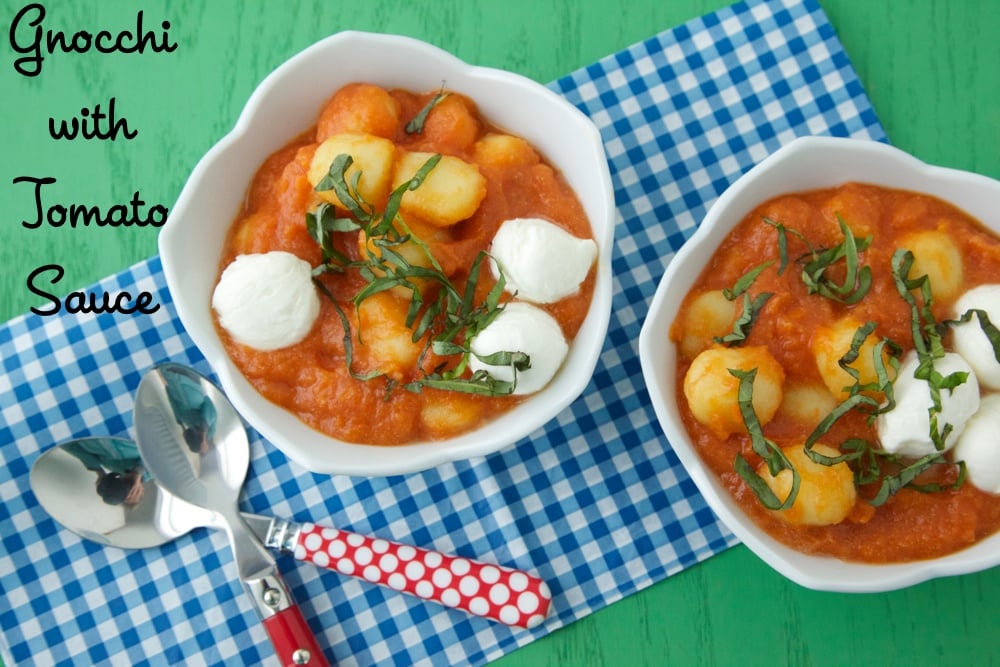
(499, 593)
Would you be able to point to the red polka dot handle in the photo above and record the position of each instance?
(499, 593)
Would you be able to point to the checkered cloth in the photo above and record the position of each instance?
(595, 502)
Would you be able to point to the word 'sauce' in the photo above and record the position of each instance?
(30, 37)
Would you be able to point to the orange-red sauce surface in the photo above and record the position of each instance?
(311, 378)
(911, 525)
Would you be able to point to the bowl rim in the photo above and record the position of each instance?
(291, 436)
(804, 160)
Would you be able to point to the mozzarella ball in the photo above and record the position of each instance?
(826, 493)
(905, 430)
(522, 327)
(541, 262)
(969, 339)
(266, 301)
(979, 446)
(712, 392)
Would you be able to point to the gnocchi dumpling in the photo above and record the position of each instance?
(860, 211)
(383, 342)
(372, 156)
(807, 403)
(831, 342)
(359, 108)
(709, 315)
(936, 256)
(712, 392)
(452, 124)
(504, 150)
(450, 193)
(826, 493)
(252, 234)
(450, 413)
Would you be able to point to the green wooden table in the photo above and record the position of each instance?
(931, 69)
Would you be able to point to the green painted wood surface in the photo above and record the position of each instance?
(932, 70)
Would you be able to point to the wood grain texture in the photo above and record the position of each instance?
(931, 68)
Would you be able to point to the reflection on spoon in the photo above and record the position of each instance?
(99, 489)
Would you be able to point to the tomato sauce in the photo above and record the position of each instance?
(911, 525)
(311, 378)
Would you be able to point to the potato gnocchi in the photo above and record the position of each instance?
(836, 281)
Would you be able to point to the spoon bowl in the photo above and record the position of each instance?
(99, 489)
(192, 437)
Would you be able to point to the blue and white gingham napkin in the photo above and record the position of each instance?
(595, 502)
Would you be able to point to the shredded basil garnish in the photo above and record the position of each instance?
(751, 307)
(416, 125)
(744, 282)
(446, 318)
(762, 446)
(927, 340)
(816, 263)
(891, 484)
(857, 279)
(859, 454)
(783, 233)
(883, 382)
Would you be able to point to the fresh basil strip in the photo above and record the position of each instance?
(416, 126)
(751, 307)
(783, 233)
(744, 282)
(747, 318)
(891, 484)
(336, 180)
(857, 279)
(768, 451)
(883, 381)
(816, 264)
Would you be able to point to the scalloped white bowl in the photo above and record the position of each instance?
(804, 164)
(285, 104)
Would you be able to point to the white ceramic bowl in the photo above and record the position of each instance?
(804, 164)
(287, 103)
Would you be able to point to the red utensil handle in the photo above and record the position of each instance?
(292, 639)
(499, 593)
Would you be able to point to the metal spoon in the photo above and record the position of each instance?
(129, 510)
(194, 443)
(192, 440)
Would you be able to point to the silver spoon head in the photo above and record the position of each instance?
(190, 437)
(99, 489)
